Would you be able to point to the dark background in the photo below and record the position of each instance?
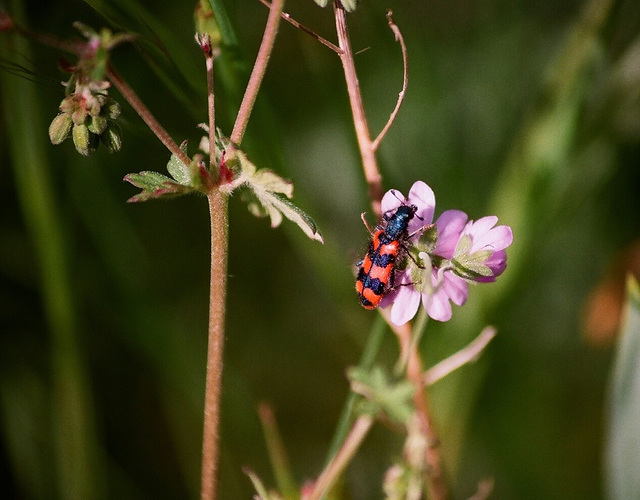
(522, 109)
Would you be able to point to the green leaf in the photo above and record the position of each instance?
(178, 170)
(349, 5)
(276, 206)
(470, 266)
(262, 492)
(224, 22)
(623, 436)
(268, 196)
(155, 185)
(394, 399)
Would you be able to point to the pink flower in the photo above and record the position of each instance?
(464, 251)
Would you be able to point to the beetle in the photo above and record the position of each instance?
(376, 271)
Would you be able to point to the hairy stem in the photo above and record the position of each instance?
(467, 354)
(367, 151)
(259, 68)
(435, 480)
(346, 453)
(217, 298)
(136, 103)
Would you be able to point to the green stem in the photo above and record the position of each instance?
(369, 354)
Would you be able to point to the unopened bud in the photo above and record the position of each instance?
(112, 139)
(60, 128)
(82, 139)
(98, 124)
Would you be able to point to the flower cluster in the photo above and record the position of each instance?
(446, 256)
(87, 113)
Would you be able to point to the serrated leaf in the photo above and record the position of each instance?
(262, 179)
(178, 170)
(277, 206)
(155, 185)
(268, 194)
(322, 3)
(623, 434)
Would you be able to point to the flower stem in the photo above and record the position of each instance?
(351, 444)
(367, 150)
(259, 68)
(435, 481)
(217, 298)
(467, 354)
(136, 103)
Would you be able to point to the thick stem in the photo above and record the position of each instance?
(219, 246)
(367, 150)
(259, 68)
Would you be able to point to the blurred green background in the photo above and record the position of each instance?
(529, 110)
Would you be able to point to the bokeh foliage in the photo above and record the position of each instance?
(529, 110)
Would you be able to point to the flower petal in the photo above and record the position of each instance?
(451, 288)
(456, 288)
(438, 306)
(391, 200)
(497, 263)
(422, 196)
(406, 305)
(450, 225)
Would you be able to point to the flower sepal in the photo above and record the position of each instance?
(471, 266)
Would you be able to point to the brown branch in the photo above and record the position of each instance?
(349, 448)
(259, 68)
(136, 103)
(405, 81)
(435, 480)
(369, 162)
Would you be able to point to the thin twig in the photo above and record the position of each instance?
(349, 448)
(468, 354)
(369, 162)
(405, 81)
(136, 103)
(205, 43)
(302, 27)
(259, 68)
